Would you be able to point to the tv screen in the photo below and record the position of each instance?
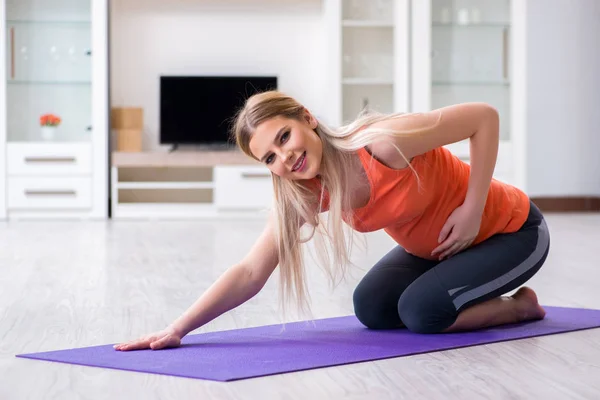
(199, 110)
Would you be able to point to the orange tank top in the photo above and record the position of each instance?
(413, 211)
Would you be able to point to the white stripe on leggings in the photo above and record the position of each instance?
(542, 244)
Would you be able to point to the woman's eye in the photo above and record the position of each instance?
(285, 136)
(269, 159)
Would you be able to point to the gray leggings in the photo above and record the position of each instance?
(426, 296)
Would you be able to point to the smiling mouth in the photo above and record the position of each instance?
(299, 162)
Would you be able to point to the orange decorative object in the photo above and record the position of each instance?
(50, 120)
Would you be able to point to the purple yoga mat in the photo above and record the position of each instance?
(267, 350)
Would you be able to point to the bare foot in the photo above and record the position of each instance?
(528, 307)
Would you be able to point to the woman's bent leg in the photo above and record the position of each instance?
(463, 291)
(376, 296)
(522, 306)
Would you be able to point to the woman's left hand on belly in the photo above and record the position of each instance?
(459, 231)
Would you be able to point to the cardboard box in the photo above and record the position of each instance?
(129, 140)
(127, 118)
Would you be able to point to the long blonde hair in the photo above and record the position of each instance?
(298, 201)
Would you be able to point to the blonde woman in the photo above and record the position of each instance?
(464, 239)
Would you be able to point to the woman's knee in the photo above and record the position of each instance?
(376, 296)
(375, 309)
(426, 309)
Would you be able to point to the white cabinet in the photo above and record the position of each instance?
(47, 159)
(202, 184)
(49, 193)
(369, 46)
(55, 67)
(462, 51)
(419, 55)
(242, 187)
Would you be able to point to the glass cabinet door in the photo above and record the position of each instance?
(367, 36)
(48, 69)
(470, 55)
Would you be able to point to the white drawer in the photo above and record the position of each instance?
(49, 158)
(243, 187)
(49, 193)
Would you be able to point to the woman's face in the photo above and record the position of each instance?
(291, 149)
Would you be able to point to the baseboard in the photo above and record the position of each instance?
(567, 204)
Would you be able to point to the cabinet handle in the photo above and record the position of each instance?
(505, 53)
(255, 175)
(12, 53)
(50, 159)
(50, 192)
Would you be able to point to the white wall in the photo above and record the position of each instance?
(187, 37)
(288, 38)
(563, 98)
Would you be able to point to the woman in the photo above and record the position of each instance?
(464, 239)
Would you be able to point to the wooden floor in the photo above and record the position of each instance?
(75, 284)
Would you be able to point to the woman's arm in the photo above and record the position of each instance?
(236, 286)
(484, 153)
(478, 122)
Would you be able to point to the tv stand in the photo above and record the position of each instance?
(189, 184)
(213, 147)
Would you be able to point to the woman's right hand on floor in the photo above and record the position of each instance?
(155, 341)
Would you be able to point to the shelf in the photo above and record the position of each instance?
(367, 81)
(469, 83)
(22, 82)
(54, 142)
(357, 23)
(46, 22)
(206, 158)
(482, 25)
(165, 185)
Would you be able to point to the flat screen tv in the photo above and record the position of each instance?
(199, 110)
